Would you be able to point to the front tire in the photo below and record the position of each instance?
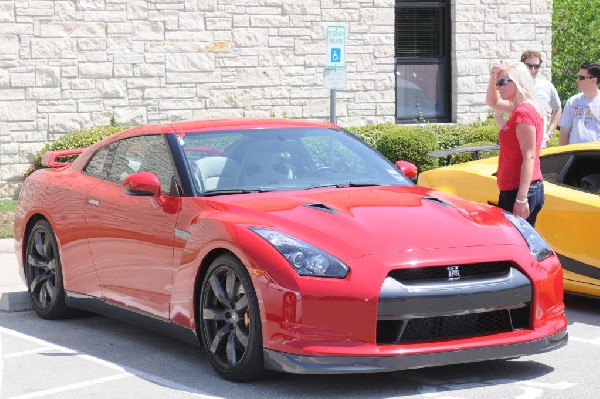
(230, 321)
(43, 273)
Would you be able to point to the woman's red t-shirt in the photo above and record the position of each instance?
(510, 160)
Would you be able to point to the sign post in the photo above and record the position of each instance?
(334, 75)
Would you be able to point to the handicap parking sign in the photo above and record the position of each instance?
(336, 47)
(336, 54)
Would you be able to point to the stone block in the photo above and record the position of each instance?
(376, 16)
(72, 29)
(66, 122)
(63, 105)
(305, 7)
(43, 93)
(250, 37)
(17, 111)
(219, 23)
(190, 62)
(45, 48)
(95, 70)
(238, 98)
(46, 76)
(214, 113)
(145, 30)
(10, 45)
(116, 88)
(131, 115)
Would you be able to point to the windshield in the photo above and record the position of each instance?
(258, 160)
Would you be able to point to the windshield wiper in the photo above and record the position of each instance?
(343, 185)
(231, 191)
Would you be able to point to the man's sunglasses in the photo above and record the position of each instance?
(503, 82)
(533, 66)
(582, 77)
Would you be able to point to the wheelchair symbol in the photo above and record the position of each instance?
(336, 54)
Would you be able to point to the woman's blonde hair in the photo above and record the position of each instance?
(519, 74)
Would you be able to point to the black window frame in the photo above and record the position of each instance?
(443, 62)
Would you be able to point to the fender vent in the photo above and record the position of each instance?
(437, 200)
(322, 207)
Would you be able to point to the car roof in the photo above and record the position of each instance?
(223, 124)
(592, 145)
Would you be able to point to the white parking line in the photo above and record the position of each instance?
(125, 371)
(71, 387)
(26, 353)
(595, 341)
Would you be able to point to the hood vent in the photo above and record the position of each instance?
(436, 200)
(322, 207)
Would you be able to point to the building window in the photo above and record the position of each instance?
(422, 44)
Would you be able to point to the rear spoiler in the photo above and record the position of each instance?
(475, 150)
(49, 158)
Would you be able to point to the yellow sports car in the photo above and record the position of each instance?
(570, 218)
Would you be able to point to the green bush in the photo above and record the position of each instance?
(413, 142)
(575, 40)
(371, 133)
(409, 143)
(78, 139)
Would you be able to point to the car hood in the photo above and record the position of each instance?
(373, 220)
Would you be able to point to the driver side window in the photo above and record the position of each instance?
(143, 154)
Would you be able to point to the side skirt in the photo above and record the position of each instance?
(132, 316)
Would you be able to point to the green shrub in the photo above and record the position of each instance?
(409, 143)
(575, 40)
(413, 142)
(78, 139)
(371, 133)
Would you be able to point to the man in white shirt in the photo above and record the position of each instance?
(546, 94)
(580, 121)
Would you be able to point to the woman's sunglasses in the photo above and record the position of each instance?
(503, 82)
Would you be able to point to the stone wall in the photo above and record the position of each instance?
(486, 31)
(67, 65)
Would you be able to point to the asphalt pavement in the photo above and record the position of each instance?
(13, 292)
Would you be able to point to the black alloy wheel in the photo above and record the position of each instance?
(230, 321)
(43, 273)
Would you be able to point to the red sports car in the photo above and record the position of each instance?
(284, 245)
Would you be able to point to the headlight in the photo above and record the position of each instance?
(306, 259)
(537, 245)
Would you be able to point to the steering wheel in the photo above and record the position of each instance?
(322, 169)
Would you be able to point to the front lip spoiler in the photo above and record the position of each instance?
(299, 364)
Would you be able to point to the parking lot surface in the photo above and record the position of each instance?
(96, 357)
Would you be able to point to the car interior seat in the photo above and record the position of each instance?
(217, 172)
(264, 165)
(590, 183)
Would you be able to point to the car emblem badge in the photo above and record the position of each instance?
(453, 272)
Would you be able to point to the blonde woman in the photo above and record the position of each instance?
(519, 178)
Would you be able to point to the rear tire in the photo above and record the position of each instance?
(43, 273)
(230, 325)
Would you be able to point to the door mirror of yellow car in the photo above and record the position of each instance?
(142, 183)
(408, 169)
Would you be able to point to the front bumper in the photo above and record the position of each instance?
(299, 364)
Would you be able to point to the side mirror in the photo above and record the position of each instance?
(408, 169)
(142, 183)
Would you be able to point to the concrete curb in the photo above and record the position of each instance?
(17, 301)
(12, 297)
(7, 245)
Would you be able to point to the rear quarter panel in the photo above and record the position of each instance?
(570, 222)
(57, 195)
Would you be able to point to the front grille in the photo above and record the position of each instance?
(452, 327)
(486, 269)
